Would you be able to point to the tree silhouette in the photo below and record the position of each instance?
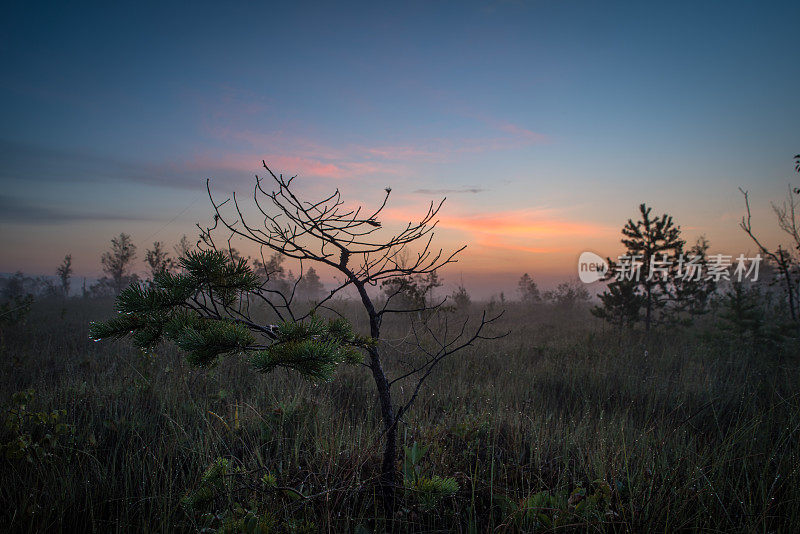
(621, 304)
(528, 290)
(158, 260)
(642, 285)
(309, 287)
(117, 261)
(206, 309)
(64, 272)
(691, 293)
(786, 259)
(568, 295)
(183, 247)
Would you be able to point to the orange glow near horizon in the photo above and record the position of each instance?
(506, 241)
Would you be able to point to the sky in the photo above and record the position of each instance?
(544, 123)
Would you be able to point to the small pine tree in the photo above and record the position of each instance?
(742, 313)
(158, 260)
(646, 292)
(117, 262)
(183, 247)
(651, 238)
(205, 308)
(528, 290)
(64, 272)
(272, 273)
(621, 304)
(691, 293)
(309, 287)
(461, 298)
(411, 292)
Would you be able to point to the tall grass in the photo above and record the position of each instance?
(688, 429)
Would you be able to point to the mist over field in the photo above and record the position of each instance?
(489, 266)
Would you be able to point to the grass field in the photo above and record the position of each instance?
(565, 424)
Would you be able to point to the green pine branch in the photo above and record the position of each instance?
(185, 309)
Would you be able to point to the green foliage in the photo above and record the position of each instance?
(546, 511)
(621, 303)
(314, 348)
(34, 436)
(745, 316)
(216, 504)
(223, 277)
(185, 308)
(427, 490)
(411, 467)
(211, 483)
(431, 490)
(205, 340)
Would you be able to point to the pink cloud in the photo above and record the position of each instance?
(250, 163)
(384, 158)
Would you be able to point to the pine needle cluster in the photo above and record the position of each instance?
(199, 309)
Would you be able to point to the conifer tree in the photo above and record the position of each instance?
(742, 312)
(117, 262)
(309, 286)
(642, 287)
(654, 239)
(205, 309)
(690, 286)
(64, 272)
(183, 247)
(460, 297)
(270, 269)
(412, 293)
(158, 260)
(528, 290)
(621, 303)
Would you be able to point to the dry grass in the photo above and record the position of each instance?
(691, 431)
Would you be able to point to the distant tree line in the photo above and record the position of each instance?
(17, 292)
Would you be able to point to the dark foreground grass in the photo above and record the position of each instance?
(562, 425)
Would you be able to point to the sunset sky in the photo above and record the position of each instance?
(544, 123)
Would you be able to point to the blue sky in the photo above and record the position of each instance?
(545, 123)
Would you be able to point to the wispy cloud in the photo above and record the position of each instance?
(319, 155)
(20, 211)
(522, 134)
(24, 163)
(473, 190)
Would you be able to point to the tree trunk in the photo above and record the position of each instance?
(388, 478)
